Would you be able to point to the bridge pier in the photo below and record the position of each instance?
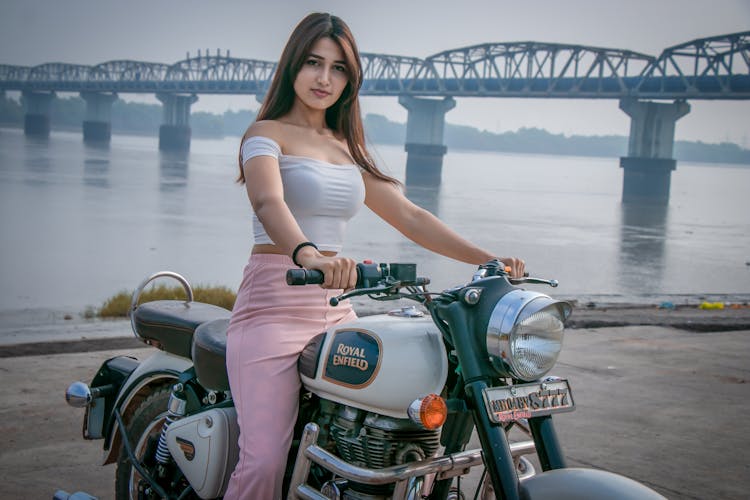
(97, 124)
(424, 138)
(647, 170)
(174, 133)
(36, 106)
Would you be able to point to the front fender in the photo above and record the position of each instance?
(158, 370)
(584, 484)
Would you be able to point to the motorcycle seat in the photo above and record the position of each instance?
(170, 324)
(209, 354)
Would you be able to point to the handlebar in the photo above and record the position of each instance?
(384, 279)
(368, 275)
(305, 277)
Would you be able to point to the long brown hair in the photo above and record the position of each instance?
(344, 116)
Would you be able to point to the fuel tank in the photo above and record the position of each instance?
(379, 363)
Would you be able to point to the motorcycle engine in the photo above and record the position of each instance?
(366, 439)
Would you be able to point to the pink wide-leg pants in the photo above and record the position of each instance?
(271, 324)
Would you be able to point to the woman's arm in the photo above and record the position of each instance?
(420, 226)
(266, 193)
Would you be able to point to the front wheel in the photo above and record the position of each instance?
(143, 432)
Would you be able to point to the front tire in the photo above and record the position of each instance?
(143, 430)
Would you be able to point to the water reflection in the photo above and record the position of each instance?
(38, 166)
(643, 234)
(173, 170)
(96, 146)
(424, 196)
(96, 172)
(173, 178)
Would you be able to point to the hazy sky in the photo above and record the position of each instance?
(93, 31)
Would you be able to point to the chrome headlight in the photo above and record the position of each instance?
(525, 334)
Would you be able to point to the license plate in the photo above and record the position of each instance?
(510, 403)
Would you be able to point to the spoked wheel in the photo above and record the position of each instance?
(144, 430)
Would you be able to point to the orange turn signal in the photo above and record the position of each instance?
(430, 411)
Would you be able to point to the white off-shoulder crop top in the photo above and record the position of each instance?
(322, 196)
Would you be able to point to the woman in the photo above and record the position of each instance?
(307, 172)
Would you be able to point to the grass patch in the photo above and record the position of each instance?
(118, 305)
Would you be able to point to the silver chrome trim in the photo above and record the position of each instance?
(502, 320)
(407, 312)
(505, 316)
(399, 474)
(161, 274)
(472, 296)
(78, 395)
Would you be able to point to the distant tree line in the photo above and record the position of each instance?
(539, 141)
(138, 118)
(130, 117)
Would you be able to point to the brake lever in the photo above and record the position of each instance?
(533, 281)
(387, 286)
(363, 291)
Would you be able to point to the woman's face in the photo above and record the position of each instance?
(323, 76)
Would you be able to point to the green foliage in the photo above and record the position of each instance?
(11, 112)
(136, 117)
(702, 152)
(118, 305)
(207, 124)
(67, 112)
(236, 122)
(381, 130)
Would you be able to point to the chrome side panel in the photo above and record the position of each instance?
(159, 369)
(205, 448)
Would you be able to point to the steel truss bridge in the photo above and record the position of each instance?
(708, 68)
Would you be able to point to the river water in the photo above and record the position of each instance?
(80, 223)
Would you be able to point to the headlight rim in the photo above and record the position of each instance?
(503, 320)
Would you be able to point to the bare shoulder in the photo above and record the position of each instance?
(267, 128)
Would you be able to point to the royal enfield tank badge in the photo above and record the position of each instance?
(353, 359)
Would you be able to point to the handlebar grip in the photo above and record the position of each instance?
(304, 277)
(368, 275)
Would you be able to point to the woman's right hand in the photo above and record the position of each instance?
(517, 266)
(338, 272)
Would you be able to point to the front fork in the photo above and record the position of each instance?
(547, 445)
(495, 445)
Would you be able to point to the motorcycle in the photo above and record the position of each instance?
(389, 401)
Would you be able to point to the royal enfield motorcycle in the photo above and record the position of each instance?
(389, 405)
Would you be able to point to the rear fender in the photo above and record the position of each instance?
(583, 484)
(108, 381)
(158, 370)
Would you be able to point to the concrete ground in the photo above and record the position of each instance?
(664, 406)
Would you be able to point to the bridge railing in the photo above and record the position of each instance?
(136, 73)
(219, 74)
(14, 76)
(717, 66)
(709, 68)
(528, 69)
